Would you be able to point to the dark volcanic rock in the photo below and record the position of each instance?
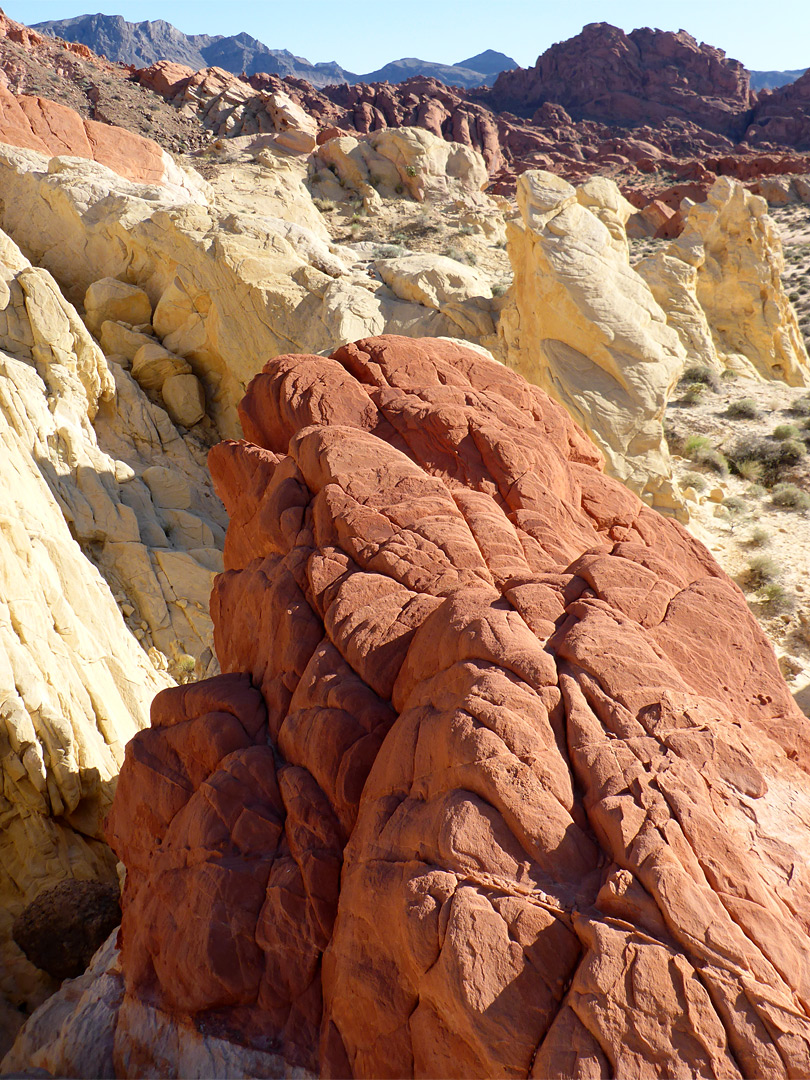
(61, 929)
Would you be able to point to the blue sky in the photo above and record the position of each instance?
(362, 35)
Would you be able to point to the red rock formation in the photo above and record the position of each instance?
(504, 780)
(38, 124)
(629, 79)
(783, 116)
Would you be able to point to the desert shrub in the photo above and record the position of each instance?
(736, 504)
(466, 230)
(761, 570)
(791, 451)
(785, 431)
(499, 289)
(756, 491)
(758, 537)
(790, 497)
(470, 258)
(772, 455)
(749, 469)
(711, 459)
(729, 375)
(410, 170)
(775, 597)
(693, 393)
(694, 480)
(695, 443)
(801, 406)
(700, 373)
(744, 409)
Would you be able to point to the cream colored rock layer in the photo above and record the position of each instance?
(229, 289)
(110, 536)
(585, 326)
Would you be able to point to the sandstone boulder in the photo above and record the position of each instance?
(604, 200)
(432, 280)
(396, 160)
(184, 399)
(118, 340)
(502, 778)
(153, 364)
(111, 299)
(61, 929)
(584, 326)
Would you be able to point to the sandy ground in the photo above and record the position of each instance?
(737, 518)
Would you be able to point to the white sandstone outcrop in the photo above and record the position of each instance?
(110, 537)
(734, 246)
(586, 328)
(229, 287)
(393, 161)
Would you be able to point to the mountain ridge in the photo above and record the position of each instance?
(145, 43)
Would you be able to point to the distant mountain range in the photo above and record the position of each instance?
(144, 43)
(769, 80)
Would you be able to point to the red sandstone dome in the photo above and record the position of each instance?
(502, 778)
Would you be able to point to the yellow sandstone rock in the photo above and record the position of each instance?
(584, 326)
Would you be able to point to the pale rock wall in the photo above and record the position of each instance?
(230, 289)
(673, 283)
(74, 684)
(395, 161)
(110, 537)
(734, 246)
(585, 327)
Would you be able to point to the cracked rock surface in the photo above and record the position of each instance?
(501, 777)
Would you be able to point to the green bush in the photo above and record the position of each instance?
(711, 459)
(785, 431)
(693, 393)
(744, 409)
(694, 480)
(761, 570)
(790, 497)
(700, 373)
(775, 597)
(736, 504)
(749, 469)
(695, 443)
(758, 537)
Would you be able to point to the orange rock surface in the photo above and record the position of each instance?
(502, 778)
(38, 124)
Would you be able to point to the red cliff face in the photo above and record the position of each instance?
(502, 779)
(631, 79)
(783, 116)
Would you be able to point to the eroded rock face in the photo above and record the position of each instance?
(229, 282)
(109, 542)
(641, 77)
(585, 326)
(502, 778)
(53, 129)
(734, 246)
